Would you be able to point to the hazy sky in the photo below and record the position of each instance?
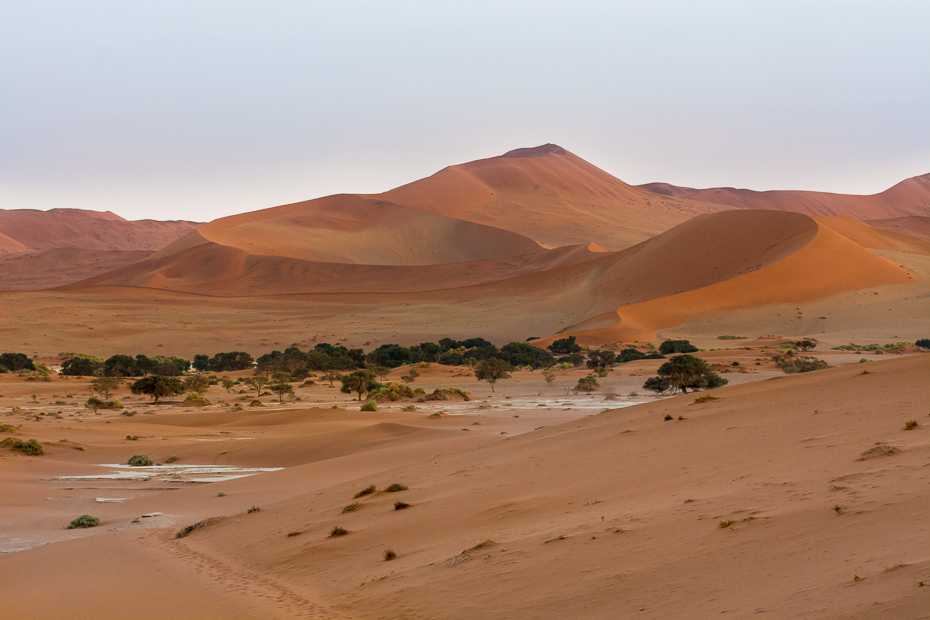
(194, 110)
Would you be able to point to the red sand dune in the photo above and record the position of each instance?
(550, 195)
(910, 197)
(90, 230)
(912, 226)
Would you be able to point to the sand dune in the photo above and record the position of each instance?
(912, 226)
(550, 195)
(89, 230)
(26, 271)
(213, 269)
(910, 197)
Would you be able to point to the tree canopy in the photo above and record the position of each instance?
(492, 370)
(157, 387)
(682, 372)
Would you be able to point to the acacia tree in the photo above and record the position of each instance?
(196, 383)
(686, 371)
(587, 384)
(227, 383)
(256, 383)
(157, 387)
(281, 389)
(492, 370)
(104, 385)
(360, 381)
(331, 376)
(549, 376)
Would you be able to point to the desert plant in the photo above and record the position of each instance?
(84, 521)
(587, 384)
(281, 389)
(171, 459)
(676, 346)
(922, 343)
(29, 448)
(370, 406)
(366, 491)
(104, 385)
(492, 370)
(910, 425)
(549, 375)
(725, 523)
(389, 555)
(352, 507)
(394, 488)
(338, 531)
(157, 387)
(93, 403)
(196, 383)
(393, 390)
(398, 505)
(360, 382)
(253, 509)
(140, 460)
(802, 364)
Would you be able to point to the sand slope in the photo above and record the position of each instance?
(26, 271)
(912, 226)
(910, 197)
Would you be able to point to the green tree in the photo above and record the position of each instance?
(676, 346)
(227, 383)
(659, 385)
(121, 366)
(80, 365)
(280, 377)
(281, 389)
(104, 385)
(157, 387)
(686, 371)
(411, 376)
(923, 343)
(196, 383)
(331, 376)
(14, 362)
(256, 383)
(360, 382)
(805, 345)
(94, 403)
(492, 370)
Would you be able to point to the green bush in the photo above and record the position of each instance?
(676, 346)
(394, 488)
(140, 460)
(587, 384)
(84, 521)
(366, 491)
(30, 448)
(802, 364)
(370, 406)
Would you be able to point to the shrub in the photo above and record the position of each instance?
(394, 488)
(910, 425)
(401, 505)
(393, 390)
(338, 531)
(802, 364)
(676, 346)
(923, 343)
(370, 406)
(366, 491)
(352, 507)
(253, 509)
(725, 523)
(731, 337)
(389, 555)
(587, 384)
(29, 448)
(445, 393)
(84, 521)
(171, 459)
(140, 460)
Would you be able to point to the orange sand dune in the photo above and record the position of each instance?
(910, 197)
(213, 269)
(26, 271)
(357, 230)
(90, 230)
(550, 195)
(11, 246)
(912, 226)
(822, 264)
(874, 238)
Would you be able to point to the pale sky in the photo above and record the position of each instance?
(194, 110)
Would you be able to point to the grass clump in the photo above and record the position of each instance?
(221, 494)
(84, 521)
(132, 437)
(389, 555)
(140, 460)
(393, 390)
(448, 393)
(398, 505)
(366, 491)
(731, 337)
(351, 507)
(294, 533)
(171, 459)
(438, 414)
(338, 531)
(394, 488)
(7, 428)
(370, 406)
(725, 523)
(253, 509)
(704, 399)
(910, 425)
